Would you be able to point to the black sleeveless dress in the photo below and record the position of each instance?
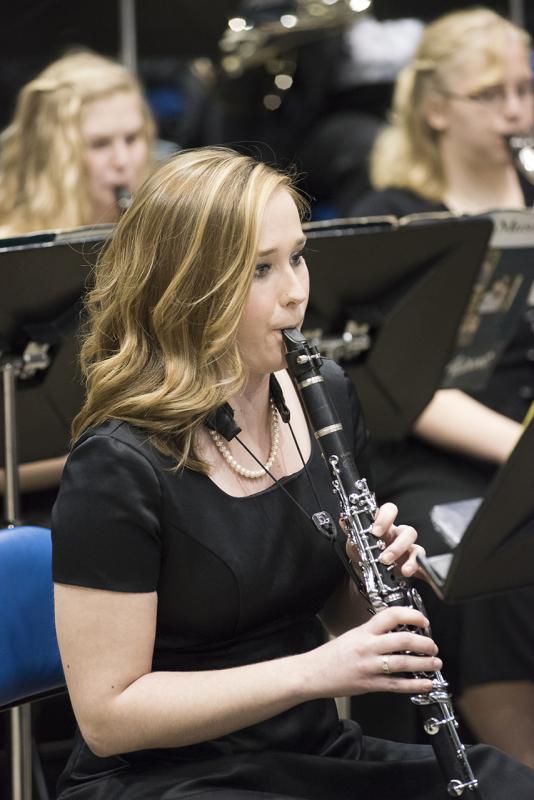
(239, 580)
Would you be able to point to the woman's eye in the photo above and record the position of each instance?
(296, 258)
(525, 89)
(132, 137)
(262, 270)
(490, 94)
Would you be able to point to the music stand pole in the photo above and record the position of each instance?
(20, 716)
(20, 720)
(128, 34)
(50, 274)
(11, 474)
(21, 746)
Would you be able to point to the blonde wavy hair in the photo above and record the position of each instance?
(43, 180)
(406, 152)
(161, 349)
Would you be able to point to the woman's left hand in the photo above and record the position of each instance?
(400, 547)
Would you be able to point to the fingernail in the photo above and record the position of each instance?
(386, 559)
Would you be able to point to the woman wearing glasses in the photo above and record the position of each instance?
(468, 88)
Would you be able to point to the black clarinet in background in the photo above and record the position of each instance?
(123, 197)
(375, 581)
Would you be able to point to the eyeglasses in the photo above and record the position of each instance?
(495, 97)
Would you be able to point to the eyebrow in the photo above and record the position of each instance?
(299, 243)
(109, 135)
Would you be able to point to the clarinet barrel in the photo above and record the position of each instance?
(376, 581)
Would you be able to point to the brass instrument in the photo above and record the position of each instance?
(253, 39)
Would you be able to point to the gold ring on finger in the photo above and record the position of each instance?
(385, 665)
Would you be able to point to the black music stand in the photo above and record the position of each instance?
(42, 278)
(409, 287)
(496, 551)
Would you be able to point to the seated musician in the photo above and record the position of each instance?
(81, 132)
(193, 593)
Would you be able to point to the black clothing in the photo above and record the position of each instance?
(239, 580)
(484, 640)
(393, 201)
(401, 202)
(352, 767)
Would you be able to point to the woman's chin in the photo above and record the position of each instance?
(267, 366)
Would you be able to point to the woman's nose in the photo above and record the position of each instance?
(119, 155)
(295, 290)
(516, 105)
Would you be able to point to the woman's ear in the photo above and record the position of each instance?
(435, 112)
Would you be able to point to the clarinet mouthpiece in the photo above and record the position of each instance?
(293, 338)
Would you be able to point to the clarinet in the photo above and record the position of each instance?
(375, 581)
(522, 151)
(123, 198)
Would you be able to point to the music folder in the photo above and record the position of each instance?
(496, 551)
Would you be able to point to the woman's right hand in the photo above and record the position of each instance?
(370, 657)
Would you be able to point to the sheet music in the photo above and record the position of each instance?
(502, 293)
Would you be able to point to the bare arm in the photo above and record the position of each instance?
(37, 475)
(455, 421)
(106, 641)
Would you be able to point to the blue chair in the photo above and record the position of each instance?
(30, 666)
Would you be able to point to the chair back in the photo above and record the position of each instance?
(30, 665)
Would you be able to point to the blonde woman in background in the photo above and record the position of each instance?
(468, 88)
(81, 129)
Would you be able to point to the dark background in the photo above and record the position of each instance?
(35, 32)
(40, 30)
(323, 128)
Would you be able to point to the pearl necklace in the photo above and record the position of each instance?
(252, 474)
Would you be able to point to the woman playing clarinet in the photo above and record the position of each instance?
(193, 594)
